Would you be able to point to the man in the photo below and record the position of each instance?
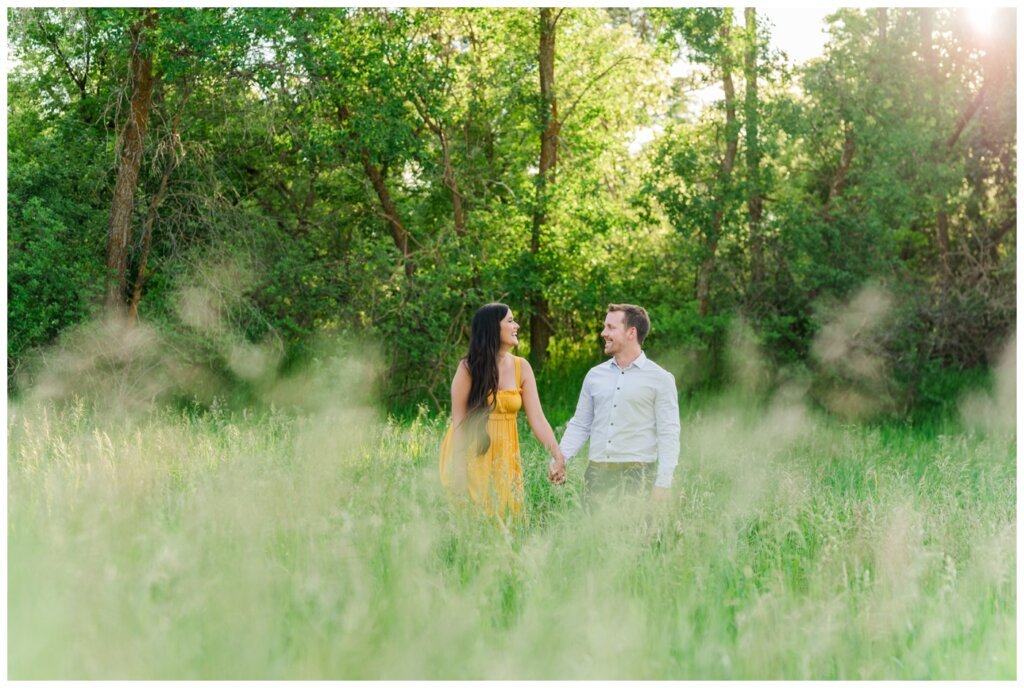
(629, 409)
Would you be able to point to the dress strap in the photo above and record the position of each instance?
(519, 376)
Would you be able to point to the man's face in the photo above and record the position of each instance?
(615, 333)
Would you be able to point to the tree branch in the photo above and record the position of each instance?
(54, 44)
(997, 235)
(448, 176)
(572, 106)
(966, 116)
(173, 158)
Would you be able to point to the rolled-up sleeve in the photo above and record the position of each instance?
(666, 409)
(578, 429)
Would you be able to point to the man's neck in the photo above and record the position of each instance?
(626, 358)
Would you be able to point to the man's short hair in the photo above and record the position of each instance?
(635, 316)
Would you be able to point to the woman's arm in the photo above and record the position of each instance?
(460, 394)
(535, 414)
(460, 400)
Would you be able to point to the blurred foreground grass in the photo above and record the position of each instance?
(244, 546)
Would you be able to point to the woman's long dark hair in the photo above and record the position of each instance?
(482, 361)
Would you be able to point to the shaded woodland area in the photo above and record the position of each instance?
(382, 172)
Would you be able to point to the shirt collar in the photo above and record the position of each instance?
(639, 362)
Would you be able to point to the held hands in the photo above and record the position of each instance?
(556, 470)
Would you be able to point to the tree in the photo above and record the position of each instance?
(549, 125)
(755, 198)
(708, 36)
(130, 148)
(892, 174)
(383, 171)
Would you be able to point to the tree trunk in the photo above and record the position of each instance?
(707, 269)
(130, 145)
(540, 316)
(755, 200)
(707, 266)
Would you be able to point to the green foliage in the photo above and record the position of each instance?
(374, 171)
(699, 30)
(55, 224)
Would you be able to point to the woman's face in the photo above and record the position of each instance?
(509, 330)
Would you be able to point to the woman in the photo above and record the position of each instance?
(480, 453)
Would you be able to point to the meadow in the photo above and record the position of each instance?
(317, 543)
(246, 243)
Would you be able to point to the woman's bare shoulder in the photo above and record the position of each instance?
(525, 366)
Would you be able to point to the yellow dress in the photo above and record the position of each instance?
(494, 479)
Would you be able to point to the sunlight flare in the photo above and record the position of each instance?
(981, 18)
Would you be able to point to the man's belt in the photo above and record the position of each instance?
(619, 465)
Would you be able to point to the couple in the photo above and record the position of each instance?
(628, 408)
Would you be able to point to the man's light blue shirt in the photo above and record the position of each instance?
(629, 414)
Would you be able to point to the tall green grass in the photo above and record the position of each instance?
(320, 545)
